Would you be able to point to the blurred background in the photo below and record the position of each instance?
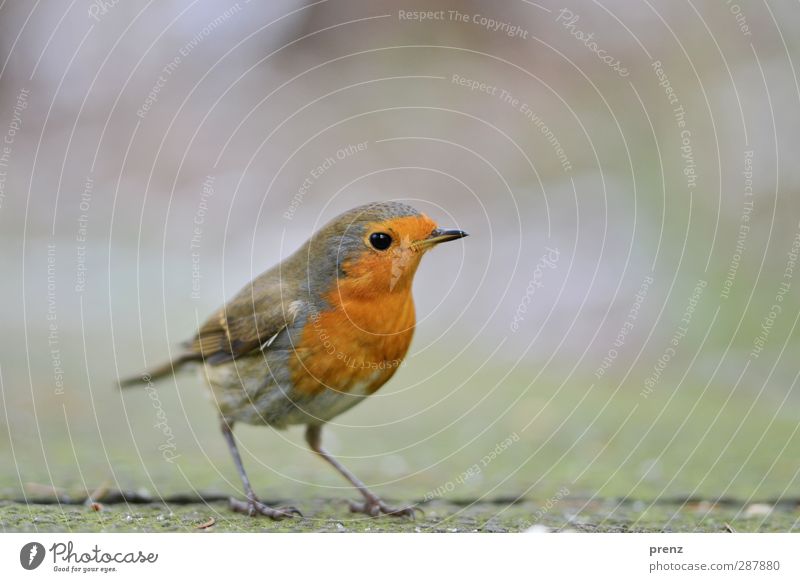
(621, 323)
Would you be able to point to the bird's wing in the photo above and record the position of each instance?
(247, 323)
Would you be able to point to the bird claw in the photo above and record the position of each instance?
(376, 508)
(254, 508)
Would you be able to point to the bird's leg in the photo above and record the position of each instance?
(252, 506)
(372, 505)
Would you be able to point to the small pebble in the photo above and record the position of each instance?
(758, 510)
(144, 493)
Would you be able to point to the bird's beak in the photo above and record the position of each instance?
(439, 236)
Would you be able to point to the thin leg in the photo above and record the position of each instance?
(252, 506)
(372, 505)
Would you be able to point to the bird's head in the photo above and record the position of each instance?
(376, 248)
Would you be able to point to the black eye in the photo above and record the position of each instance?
(380, 240)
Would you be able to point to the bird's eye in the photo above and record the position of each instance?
(380, 241)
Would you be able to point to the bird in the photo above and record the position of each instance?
(313, 336)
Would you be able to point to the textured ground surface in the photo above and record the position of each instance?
(333, 516)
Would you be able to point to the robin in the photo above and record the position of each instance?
(315, 335)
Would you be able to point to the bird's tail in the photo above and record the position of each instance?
(156, 374)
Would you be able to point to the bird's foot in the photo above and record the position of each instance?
(254, 508)
(374, 507)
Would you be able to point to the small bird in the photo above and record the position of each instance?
(315, 335)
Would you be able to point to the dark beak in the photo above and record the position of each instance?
(440, 235)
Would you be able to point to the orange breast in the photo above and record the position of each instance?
(356, 346)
